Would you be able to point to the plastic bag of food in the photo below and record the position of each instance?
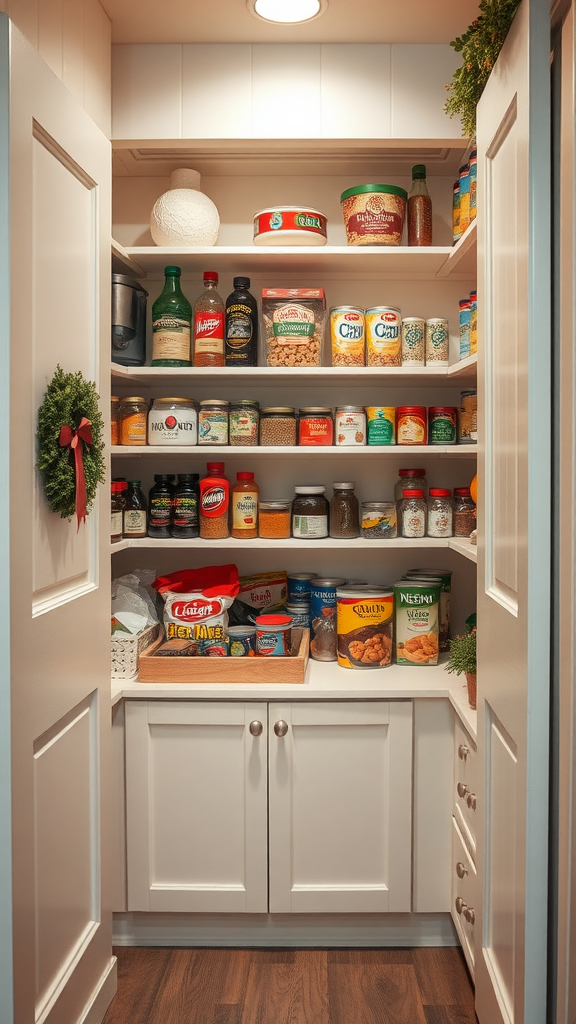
(196, 603)
(133, 607)
(293, 321)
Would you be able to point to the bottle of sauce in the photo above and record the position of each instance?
(116, 510)
(171, 323)
(419, 209)
(214, 502)
(160, 508)
(245, 507)
(135, 519)
(185, 522)
(209, 324)
(241, 325)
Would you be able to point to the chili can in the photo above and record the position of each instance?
(365, 626)
(411, 424)
(347, 336)
(381, 424)
(299, 587)
(323, 635)
(350, 425)
(383, 336)
(442, 424)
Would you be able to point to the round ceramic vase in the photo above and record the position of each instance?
(184, 215)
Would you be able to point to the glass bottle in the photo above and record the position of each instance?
(241, 325)
(116, 510)
(209, 324)
(440, 513)
(214, 502)
(171, 323)
(344, 517)
(160, 508)
(413, 514)
(135, 519)
(464, 512)
(419, 209)
(244, 501)
(185, 506)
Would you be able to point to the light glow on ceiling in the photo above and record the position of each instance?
(287, 12)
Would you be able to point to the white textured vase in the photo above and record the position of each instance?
(184, 215)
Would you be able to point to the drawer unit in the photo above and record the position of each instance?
(464, 890)
(465, 786)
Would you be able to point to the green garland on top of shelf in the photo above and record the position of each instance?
(70, 445)
(479, 45)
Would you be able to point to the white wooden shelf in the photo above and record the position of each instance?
(122, 263)
(290, 544)
(455, 451)
(464, 547)
(461, 261)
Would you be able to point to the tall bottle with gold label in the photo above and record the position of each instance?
(171, 324)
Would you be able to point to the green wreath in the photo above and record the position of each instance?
(69, 402)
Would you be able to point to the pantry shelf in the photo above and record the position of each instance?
(456, 451)
(461, 261)
(290, 544)
(122, 263)
(464, 547)
(306, 376)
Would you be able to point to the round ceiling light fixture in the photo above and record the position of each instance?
(287, 12)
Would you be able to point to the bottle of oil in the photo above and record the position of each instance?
(241, 325)
(209, 324)
(171, 323)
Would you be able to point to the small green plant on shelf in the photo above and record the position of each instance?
(462, 659)
(479, 45)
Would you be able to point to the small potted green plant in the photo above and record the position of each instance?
(463, 660)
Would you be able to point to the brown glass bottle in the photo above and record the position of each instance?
(419, 209)
(135, 518)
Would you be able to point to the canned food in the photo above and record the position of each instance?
(442, 424)
(413, 341)
(383, 337)
(213, 421)
(381, 424)
(242, 641)
(299, 587)
(300, 614)
(445, 577)
(273, 635)
(365, 624)
(323, 618)
(417, 622)
(378, 520)
(437, 341)
(411, 424)
(467, 421)
(347, 336)
(350, 425)
(315, 426)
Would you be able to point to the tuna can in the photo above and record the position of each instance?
(300, 614)
(347, 336)
(365, 626)
(417, 622)
(242, 641)
(350, 425)
(442, 424)
(445, 576)
(437, 341)
(381, 424)
(299, 587)
(411, 424)
(273, 635)
(413, 341)
(323, 635)
(383, 336)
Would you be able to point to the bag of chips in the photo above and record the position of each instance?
(196, 603)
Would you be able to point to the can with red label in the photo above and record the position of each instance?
(411, 424)
(214, 502)
(383, 336)
(289, 225)
(315, 426)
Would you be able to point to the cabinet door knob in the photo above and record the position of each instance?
(469, 914)
(462, 789)
(471, 801)
(460, 905)
(256, 728)
(461, 869)
(463, 751)
(281, 728)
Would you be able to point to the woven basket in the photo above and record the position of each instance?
(126, 651)
(471, 681)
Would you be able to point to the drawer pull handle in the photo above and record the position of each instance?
(471, 801)
(469, 914)
(462, 789)
(460, 905)
(461, 869)
(280, 728)
(256, 728)
(463, 751)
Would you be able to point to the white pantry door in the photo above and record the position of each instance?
(514, 286)
(59, 579)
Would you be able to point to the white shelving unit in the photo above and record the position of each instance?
(455, 451)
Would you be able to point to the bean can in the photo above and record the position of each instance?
(437, 341)
(442, 424)
(411, 424)
(299, 613)
(347, 336)
(323, 634)
(381, 424)
(242, 641)
(350, 425)
(365, 626)
(299, 587)
(413, 341)
(383, 336)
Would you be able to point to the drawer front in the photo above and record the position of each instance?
(465, 779)
(464, 890)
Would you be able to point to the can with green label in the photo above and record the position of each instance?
(381, 422)
(417, 610)
(445, 576)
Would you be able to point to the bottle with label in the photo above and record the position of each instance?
(171, 323)
(245, 507)
(135, 519)
(419, 209)
(214, 502)
(160, 508)
(116, 510)
(185, 506)
(241, 325)
(209, 324)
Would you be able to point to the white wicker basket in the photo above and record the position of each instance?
(126, 651)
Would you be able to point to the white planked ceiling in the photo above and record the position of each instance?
(345, 21)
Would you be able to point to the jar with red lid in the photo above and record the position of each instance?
(273, 635)
(414, 478)
(442, 424)
(440, 512)
(315, 426)
(413, 513)
(464, 512)
(411, 424)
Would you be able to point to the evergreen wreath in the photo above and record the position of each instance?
(69, 397)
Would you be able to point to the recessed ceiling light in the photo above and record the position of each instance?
(287, 12)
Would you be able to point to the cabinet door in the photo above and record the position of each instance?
(340, 806)
(196, 806)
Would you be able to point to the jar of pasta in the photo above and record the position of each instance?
(133, 418)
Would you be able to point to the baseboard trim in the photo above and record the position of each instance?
(302, 930)
(102, 996)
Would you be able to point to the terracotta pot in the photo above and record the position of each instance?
(471, 680)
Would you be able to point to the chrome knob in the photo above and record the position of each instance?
(462, 789)
(461, 869)
(469, 914)
(256, 728)
(281, 728)
(460, 905)
(463, 751)
(471, 801)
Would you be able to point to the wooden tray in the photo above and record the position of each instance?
(228, 670)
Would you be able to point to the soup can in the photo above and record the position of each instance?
(299, 613)
(442, 424)
(411, 424)
(242, 641)
(437, 341)
(299, 587)
(365, 626)
(347, 336)
(323, 618)
(350, 425)
(413, 341)
(417, 605)
(445, 576)
(381, 424)
(273, 635)
(383, 336)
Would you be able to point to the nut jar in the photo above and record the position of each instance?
(133, 416)
(278, 425)
(173, 421)
(413, 514)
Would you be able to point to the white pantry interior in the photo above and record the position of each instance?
(415, 848)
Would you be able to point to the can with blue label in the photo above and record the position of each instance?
(242, 641)
(299, 612)
(299, 587)
(273, 635)
(323, 633)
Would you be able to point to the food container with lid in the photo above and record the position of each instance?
(243, 422)
(315, 426)
(350, 425)
(132, 418)
(273, 634)
(289, 225)
(310, 512)
(213, 421)
(323, 637)
(442, 424)
(365, 626)
(378, 520)
(374, 214)
(299, 587)
(347, 336)
(274, 519)
(411, 424)
(242, 641)
(383, 336)
(381, 424)
(278, 425)
(173, 421)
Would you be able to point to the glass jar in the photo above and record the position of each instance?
(344, 520)
(278, 425)
(133, 416)
(114, 420)
(379, 520)
(173, 421)
(315, 426)
(213, 421)
(413, 514)
(464, 512)
(274, 519)
(310, 513)
(244, 419)
(440, 513)
(413, 478)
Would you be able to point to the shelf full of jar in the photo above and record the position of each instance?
(212, 451)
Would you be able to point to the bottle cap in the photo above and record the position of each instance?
(211, 275)
(419, 171)
(413, 494)
(244, 476)
(349, 486)
(184, 478)
(134, 483)
(160, 478)
(310, 489)
(172, 271)
(411, 472)
(241, 282)
(439, 492)
(464, 492)
(215, 467)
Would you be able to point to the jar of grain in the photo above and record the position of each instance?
(315, 426)
(413, 514)
(274, 519)
(244, 418)
(278, 425)
(133, 418)
(464, 512)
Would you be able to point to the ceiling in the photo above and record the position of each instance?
(345, 21)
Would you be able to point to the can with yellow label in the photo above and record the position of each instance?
(364, 623)
(383, 336)
(347, 336)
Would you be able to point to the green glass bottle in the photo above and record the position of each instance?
(171, 324)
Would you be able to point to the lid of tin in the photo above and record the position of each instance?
(417, 583)
(441, 408)
(173, 401)
(241, 631)
(215, 401)
(464, 303)
(413, 494)
(316, 409)
(473, 296)
(310, 489)
(380, 504)
(411, 408)
(272, 409)
(273, 620)
(326, 581)
(429, 572)
(364, 590)
(359, 190)
(347, 309)
(349, 408)
(349, 486)
(135, 398)
(413, 578)
(384, 309)
(437, 320)
(280, 505)
(439, 492)
(472, 392)
(413, 320)
(301, 575)
(464, 169)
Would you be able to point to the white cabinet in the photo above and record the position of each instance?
(464, 886)
(337, 797)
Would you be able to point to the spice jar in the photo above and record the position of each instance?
(245, 507)
(133, 415)
(213, 421)
(274, 519)
(116, 511)
(413, 478)
(244, 418)
(278, 425)
(413, 514)
(114, 419)
(379, 520)
(439, 513)
(350, 425)
(214, 502)
(464, 512)
(310, 512)
(315, 426)
(344, 511)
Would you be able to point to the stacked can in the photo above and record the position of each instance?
(437, 341)
(464, 197)
(456, 231)
(413, 341)
(323, 634)
(464, 314)
(473, 179)
(473, 322)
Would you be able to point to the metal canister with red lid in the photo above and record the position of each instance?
(315, 426)
(273, 635)
(442, 424)
(411, 424)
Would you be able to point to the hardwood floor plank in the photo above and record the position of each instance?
(449, 1015)
(372, 994)
(191, 988)
(273, 956)
(288, 993)
(227, 1014)
(140, 973)
(369, 956)
(443, 976)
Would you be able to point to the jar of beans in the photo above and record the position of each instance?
(278, 425)
(244, 418)
(464, 512)
(274, 519)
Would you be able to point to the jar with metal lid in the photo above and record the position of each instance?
(379, 520)
(350, 425)
(310, 512)
(413, 514)
(213, 421)
(440, 512)
(464, 512)
(173, 421)
(274, 519)
(315, 426)
(344, 521)
(133, 416)
(244, 419)
(278, 425)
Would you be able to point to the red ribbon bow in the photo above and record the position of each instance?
(71, 438)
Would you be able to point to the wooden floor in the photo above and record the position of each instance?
(302, 986)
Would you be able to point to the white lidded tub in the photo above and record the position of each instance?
(289, 225)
